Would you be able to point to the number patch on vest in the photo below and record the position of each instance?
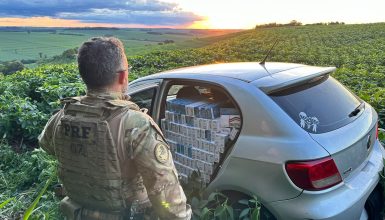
(161, 153)
(79, 149)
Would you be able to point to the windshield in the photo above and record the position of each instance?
(318, 106)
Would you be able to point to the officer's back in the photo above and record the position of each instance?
(113, 160)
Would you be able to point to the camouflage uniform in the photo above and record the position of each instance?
(113, 160)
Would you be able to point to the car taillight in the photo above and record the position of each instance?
(314, 175)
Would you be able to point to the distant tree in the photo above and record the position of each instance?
(273, 24)
(70, 53)
(294, 23)
(1, 68)
(168, 41)
(11, 67)
(335, 23)
(154, 33)
(28, 61)
(68, 56)
(268, 25)
(319, 23)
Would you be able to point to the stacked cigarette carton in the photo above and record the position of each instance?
(197, 132)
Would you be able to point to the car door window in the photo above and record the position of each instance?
(145, 99)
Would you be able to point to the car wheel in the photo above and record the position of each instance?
(233, 199)
(373, 205)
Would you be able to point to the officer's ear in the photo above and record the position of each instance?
(122, 77)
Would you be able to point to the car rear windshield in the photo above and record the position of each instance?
(320, 105)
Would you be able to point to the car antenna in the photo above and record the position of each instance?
(268, 53)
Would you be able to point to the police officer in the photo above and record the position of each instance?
(114, 162)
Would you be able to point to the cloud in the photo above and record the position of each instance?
(133, 17)
(147, 12)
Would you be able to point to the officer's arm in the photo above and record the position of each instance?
(154, 162)
(46, 136)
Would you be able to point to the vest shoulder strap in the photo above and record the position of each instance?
(123, 103)
(71, 99)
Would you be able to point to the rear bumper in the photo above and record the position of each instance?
(344, 201)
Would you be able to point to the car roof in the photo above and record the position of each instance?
(268, 76)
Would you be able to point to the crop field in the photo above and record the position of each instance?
(28, 98)
(19, 45)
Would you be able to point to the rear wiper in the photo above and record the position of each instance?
(356, 110)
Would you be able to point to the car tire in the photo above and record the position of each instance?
(233, 199)
(374, 204)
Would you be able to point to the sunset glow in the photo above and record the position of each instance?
(247, 13)
(222, 14)
(57, 22)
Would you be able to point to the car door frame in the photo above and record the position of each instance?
(197, 81)
(148, 84)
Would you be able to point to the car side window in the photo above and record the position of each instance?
(145, 99)
(200, 122)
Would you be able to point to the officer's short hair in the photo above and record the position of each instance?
(100, 60)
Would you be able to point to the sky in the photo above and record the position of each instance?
(213, 14)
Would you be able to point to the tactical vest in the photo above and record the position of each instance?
(89, 164)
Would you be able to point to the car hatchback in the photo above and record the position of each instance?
(290, 134)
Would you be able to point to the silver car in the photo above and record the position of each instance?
(306, 146)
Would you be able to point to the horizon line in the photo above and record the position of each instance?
(187, 28)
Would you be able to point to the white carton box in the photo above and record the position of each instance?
(233, 133)
(194, 153)
(182, 129)
(178, 157)
(198, 144)
(202, 133)
(226, 131)
(190, 131)
(195, 143)
(193, 164)
(210, 158)
(208, 168)
(212, 147)
(188, 172)
(186, 150)
(182, 159)
(206, 146)
(190, 108)
(215, 125)
(230, 121)
(204, 124)
(189, 140)
(200, 165)
(196, 122)
(216, 158)
(200, 155)
(178, 138)
(220, 140)
(171, 116)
